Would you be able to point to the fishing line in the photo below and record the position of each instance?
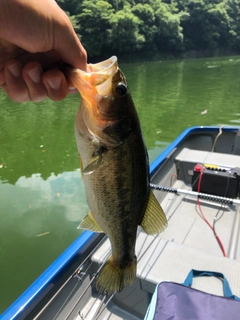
(99, 314)
(147, 248)
(100, 306)
(216, 139)
(89, 284)
(83, 293)
(78, 271)
(100, 298)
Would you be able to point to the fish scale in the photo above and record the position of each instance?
(115, 169)
(114, 191)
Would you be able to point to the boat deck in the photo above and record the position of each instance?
(187, 227)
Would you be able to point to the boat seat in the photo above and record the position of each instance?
(163, 260)
(174, 261)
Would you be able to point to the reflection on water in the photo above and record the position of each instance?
(42, 198)
(37, 138)
(171, 96)
(31, 194)
(38, 218)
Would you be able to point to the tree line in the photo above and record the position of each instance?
(156, 27)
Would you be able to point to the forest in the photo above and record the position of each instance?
(156, 28)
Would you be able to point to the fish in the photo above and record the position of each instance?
(115, 169)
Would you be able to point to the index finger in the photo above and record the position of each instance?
(68, 45)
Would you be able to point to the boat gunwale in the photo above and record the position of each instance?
(87, 238)
(155, 165)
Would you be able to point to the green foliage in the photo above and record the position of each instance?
(207, 26)
(125, 35)
(163, 26)
(233, 11)
(72, 7)
(146, 22)
(169, 32)
(95, 26)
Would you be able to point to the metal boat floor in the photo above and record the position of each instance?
(186, 226)
(110, 312)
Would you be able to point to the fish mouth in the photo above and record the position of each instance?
(105, 67)
(97, 80)
(102, 73)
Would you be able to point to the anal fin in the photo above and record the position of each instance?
(89, 223)
(154, 219)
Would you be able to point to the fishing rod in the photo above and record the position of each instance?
(199, 195)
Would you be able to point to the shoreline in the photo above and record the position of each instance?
(146, 57)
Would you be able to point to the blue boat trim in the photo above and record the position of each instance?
(37, 287)
(154, 166)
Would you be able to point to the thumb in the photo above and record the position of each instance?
(68, 45)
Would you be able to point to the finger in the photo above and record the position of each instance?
(47, 59)
(72, 90)
(56, 84)
(72, 51)
(77, 56)
(14, 86)
(32, 74)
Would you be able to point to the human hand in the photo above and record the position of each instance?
(34, 37)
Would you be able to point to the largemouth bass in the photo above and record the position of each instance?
(115, 169)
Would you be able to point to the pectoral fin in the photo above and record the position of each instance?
(89, 223)
(154, 219)
(96, 160)
(93, 165)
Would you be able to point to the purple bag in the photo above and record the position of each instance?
(174, 301)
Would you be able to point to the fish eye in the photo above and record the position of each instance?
(121, 89)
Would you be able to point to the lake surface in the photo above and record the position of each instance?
(42, 197)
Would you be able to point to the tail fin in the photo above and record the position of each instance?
(113, 278)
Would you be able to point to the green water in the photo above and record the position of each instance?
(42, 196)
